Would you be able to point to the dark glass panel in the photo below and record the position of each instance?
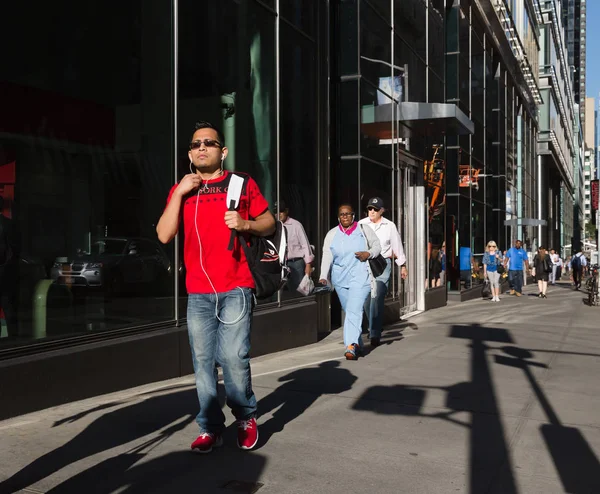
(375, 47)
(298, 129)
(234, 88)
(86, 153)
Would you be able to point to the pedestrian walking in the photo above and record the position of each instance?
(391, 248)
(491, 259)
(300, 255)
(578, 264)
(516, 259)
(555, 258)
(543, 269)
(346, 250)
(219, 283)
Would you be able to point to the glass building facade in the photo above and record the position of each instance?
(492, 173)
(98, 106)
(321, 102)
(386, 53)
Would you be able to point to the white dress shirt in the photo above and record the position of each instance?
(389, 238)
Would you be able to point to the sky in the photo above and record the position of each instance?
(593, 49)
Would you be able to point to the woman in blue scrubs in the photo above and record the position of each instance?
(345, 266)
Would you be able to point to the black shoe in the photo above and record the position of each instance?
(544, 295)
(375, 342)
(540, 295)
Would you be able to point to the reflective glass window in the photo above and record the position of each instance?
(85, 153)
(234, 88)
(299, 143)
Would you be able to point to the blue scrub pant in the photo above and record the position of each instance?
(374, 307)
(353, 300)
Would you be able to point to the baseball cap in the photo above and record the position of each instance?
(282, 206)
(376, 202)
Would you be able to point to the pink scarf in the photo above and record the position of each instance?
(350, 228)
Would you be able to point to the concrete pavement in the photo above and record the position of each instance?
(477, 397)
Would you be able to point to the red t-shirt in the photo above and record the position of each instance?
(227, 269)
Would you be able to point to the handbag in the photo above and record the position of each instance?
(548, 266)
(378, 263)
(486, 290)
(500, 267)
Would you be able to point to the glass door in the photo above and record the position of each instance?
(411, 224)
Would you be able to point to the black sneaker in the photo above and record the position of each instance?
(375, 342)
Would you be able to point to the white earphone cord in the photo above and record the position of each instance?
(243, 313)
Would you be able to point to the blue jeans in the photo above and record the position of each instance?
(353, 300)
(212, 342)
(374, 307)
(297, 268)
(515, 280)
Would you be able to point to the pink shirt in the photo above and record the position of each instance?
(298, 244)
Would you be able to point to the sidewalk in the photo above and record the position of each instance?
(477, 397)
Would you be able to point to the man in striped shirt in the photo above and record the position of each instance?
(300, 254)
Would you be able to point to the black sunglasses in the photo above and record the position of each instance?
(371, 208)
(342, 215)
(208, 143)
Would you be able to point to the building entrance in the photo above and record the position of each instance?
(410, 214)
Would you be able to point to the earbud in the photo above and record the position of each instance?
(191, 169)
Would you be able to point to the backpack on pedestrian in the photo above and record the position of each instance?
(576, 263)
(266, 256)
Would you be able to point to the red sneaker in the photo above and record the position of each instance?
(247, 433)
(206, 441)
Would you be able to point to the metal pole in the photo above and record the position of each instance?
(175, 116)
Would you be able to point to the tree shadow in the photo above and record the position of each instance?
(301, 389)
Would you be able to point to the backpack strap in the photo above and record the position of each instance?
(234, 193)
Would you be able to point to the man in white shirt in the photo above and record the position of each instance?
(555, 258)
(391, 248)
(300, 254)
(578, 265)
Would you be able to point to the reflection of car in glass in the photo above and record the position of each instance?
(114, 264)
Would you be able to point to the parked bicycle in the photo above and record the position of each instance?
(592, 286)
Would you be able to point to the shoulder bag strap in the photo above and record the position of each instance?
(234, 193)
(365, 235)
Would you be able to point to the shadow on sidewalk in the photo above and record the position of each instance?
(490, 464)
(113, 428)
(137, 470)
(574, 460)
(301, 389)
(180, 471)
(160, 417)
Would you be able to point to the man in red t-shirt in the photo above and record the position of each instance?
(219, 283)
